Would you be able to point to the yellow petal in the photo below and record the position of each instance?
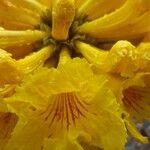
(105, 140)
(35, 60)
(12, 13)
(143, 59)
(63, 13)
(73, 75)
(17, 69)
(12, 25)
(134, 132)
(94, 55)
(114, 20)
(10, 38)
(134, 30)
(34, 88)
(88, 136)
(28, 135)
(92, 9)
(32, 5)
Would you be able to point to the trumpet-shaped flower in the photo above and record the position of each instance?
(72, 108)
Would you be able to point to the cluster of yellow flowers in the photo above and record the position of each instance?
(74, 74)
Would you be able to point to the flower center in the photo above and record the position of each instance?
(69, 42)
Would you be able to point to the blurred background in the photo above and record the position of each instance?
(133, 145)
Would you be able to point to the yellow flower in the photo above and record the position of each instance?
(68, 71)
(133, 96)
(72, 108)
